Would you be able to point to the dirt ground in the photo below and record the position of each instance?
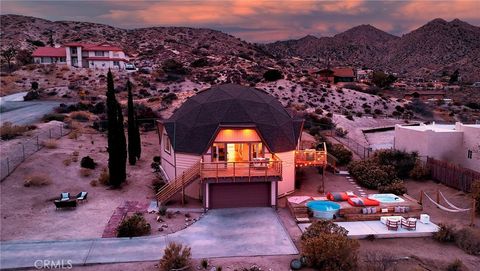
(28, 213)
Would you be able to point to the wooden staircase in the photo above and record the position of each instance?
(178, 184)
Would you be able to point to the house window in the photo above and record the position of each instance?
(167, 147)
(469, 154)
(73, 50)
(116, 63)
(99, 53)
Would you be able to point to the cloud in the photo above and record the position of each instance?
(260, 20)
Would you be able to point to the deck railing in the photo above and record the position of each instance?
(310, 157)
(241, 169)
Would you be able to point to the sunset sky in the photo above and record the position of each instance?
(255, 21)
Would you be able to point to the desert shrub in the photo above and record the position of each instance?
(67, 161)
(201, 62)
(368, 173)
(169, 98)
(397, 187)
(81, 116)
(85, 172)
(456, 265)
(326, 246)
(104, 177)
(135, 225)
(445, 233)
(468, 239)
(175, 256)
(343, 155)
(272, 75)
(10, 131)
(173, 66)
(37, 180)
(93, 183)
(162, 210)
(341, 132)
(419, 172)
(402, 161)
(88, 162)
(204, 263)
(54, 116)
(50, 144)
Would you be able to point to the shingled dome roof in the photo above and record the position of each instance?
(192, 127)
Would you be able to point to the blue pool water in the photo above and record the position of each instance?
(386, 198)
(323, 209)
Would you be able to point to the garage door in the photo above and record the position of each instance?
(233, 195)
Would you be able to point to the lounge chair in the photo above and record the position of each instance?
(392, 224)
(82, 196)
(59, 204)
(409, 224)
(64, 196)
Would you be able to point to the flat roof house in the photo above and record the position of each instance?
(232, 146)
(459, 143)
(83, 55)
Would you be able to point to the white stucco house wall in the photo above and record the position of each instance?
(458, 143)
(83, 55)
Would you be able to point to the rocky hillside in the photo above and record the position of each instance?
(437, 47)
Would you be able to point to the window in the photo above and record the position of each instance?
(99, 53)
(73, 50)
(469, 154)
(167, 147)
(116, 63)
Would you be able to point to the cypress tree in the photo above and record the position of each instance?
(134, 145)
(116, 136)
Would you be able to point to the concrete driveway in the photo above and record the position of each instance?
(220, 233)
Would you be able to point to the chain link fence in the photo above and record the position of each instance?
(357, 148)
(12, 155)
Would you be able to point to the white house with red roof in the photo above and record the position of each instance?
(83, 55)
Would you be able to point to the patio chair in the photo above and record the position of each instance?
(60, 204)
(392, 224)
(409, 224)
(64, 196)
(82, 196)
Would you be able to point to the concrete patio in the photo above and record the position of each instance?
(363, 229)
(239, 232)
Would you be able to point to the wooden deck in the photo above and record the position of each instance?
(241, 170)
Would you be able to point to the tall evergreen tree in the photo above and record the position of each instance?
(116, 137)
(134, 144)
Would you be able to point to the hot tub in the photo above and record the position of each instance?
(386, 198)
(323, 209)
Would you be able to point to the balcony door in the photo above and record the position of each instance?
(219, 152)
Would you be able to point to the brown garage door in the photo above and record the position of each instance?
(233, 195)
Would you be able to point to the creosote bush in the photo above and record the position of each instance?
(88, 162)
(104, 177)
(175, 256)
(37, 180)
(468, 239)
(136, 225)
(419, 172)
(9, 131)
(456, 265)
(326, 246)
(445, 233)
(81, 116)
(50, 144)
(343, 155)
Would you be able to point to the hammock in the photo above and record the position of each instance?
(441, 207)
(453, 206)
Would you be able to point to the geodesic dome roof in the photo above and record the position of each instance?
(193, 126)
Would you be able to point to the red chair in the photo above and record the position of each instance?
(409, 224)
(392, 224)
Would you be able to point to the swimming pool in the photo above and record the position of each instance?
(323, 208)
(386, 198)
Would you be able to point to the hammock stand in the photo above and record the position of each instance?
(452, 208)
